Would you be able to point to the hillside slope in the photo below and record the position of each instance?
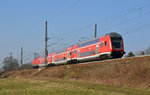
(132, 72)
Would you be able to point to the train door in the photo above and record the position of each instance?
(101, 50)
(78, 53)
(97, 49)
(52, 59)
(69, 53)
(74, 54)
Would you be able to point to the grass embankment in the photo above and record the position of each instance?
(131, 72)
(117, 77)
(15, 86)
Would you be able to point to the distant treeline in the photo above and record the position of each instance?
(143, 52)
(10, 63)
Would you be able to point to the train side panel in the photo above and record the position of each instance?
(73, 55)
(89, 50)
(50, 59)
(60, 59)
(105, 47)
(34, 63)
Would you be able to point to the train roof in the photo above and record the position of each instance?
(92, 41)
(113, 34)
(60, 51)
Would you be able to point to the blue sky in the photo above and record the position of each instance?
(70, 22)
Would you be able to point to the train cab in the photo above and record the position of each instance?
(116, 45)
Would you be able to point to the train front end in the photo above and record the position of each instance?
(116, 45)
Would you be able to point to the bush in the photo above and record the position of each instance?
(131, 54)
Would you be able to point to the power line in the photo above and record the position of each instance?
(72, 32)
(136, 9)
(55, 42)
(129, 20)
(134, 18)
(136, 28)
(131, 10)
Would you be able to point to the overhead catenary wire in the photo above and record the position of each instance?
(136, 29)
(126, 23)
(132, 10)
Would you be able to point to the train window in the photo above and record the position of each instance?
(116, 38)
(105, 43)
(101, 44)
(74, 52)
(87, 53)
(89, 42)
(97, 40)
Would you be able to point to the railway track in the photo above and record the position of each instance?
(118, 59)
(123, 60)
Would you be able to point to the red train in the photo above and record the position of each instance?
(108, 46)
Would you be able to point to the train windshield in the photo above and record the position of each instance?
(116, 42)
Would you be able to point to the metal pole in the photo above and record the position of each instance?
(95, 31)
(21, 61)
(46, 51)
(10, 62)
(35, 55)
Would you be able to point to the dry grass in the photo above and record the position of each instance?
(20, 86)
(131, 72)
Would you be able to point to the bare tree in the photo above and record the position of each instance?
(9, 63)
(147, 51)
(26, 66)
(140, 53)
(0, 71)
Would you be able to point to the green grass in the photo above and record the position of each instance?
(16, 86)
